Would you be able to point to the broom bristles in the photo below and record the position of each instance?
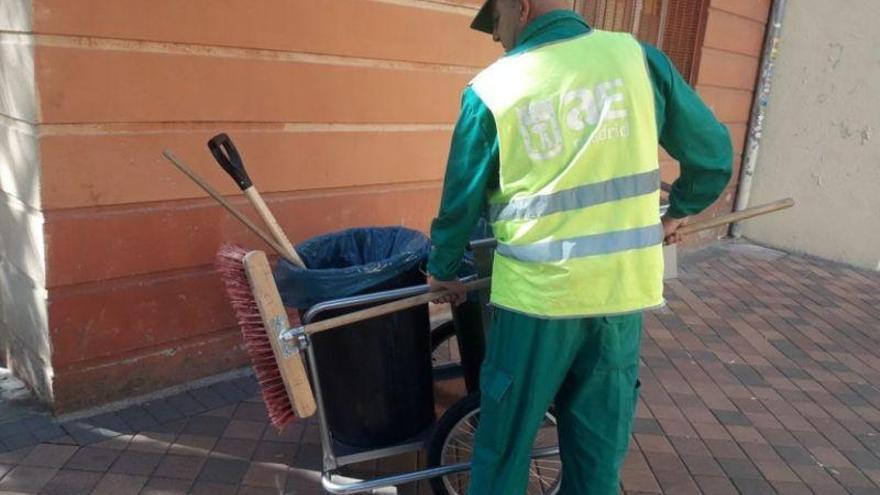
(230, 265)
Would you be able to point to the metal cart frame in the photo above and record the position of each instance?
(336, 454)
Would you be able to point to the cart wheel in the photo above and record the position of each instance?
(445, 358)
(452, 442)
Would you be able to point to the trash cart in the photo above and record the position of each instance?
(376, 374)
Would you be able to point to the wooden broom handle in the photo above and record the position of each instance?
(225, 204)
(269, 219)
(484, 283)
(737, 216)
(228, 157)
(384, 309)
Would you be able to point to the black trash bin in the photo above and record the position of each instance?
(376, 374)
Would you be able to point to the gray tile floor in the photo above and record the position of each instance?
(761, 376)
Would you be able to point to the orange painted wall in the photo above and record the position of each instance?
(729, 65)
(342, 110)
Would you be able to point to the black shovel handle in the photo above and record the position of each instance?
(227, 156)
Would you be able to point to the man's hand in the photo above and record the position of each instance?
(456, 295)
(670, 229)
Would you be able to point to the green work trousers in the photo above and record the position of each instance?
(588, 368)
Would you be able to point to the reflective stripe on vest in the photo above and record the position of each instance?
(588, 245)
(576, 212)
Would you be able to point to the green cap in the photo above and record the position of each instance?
(483, 21)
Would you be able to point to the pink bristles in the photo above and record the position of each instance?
(229, 265)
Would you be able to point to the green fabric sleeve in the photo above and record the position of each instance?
(691, 134)
(471, 170)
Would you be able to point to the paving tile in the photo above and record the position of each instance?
(208, 397)
(293, 433)
(120, 484)
(15, 456)
(180, 467)
(157, 443)
(753, 486)
(863, 459)
(304, 481)
(740, 468)
(654, 443)
(702, 465)
(70, 482)
(163, 411)
(257, 490)
(830, 457)
(209, 426)
(237, 448)
(171, 427)
(49, 455)
(19, 440)
(266, 475)
(119, 442)
(731, 418)
(716, 485)
(166, 486)
(229, 392)
(29, 479)
(136, 463)
(248, 384)
(222, 412)
(47, 433)
(790, 488)
(197, 445)
(247, 430)
(93, 459)
(109, 421)
(852, 478)
(86, 434)
(309, 456)
(725, 449)
(641, 480)
(186, 404)
(248, 411)
(209, 488)
(225, 471)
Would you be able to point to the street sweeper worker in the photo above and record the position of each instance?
(557, 143)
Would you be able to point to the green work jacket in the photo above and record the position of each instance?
(687, 129)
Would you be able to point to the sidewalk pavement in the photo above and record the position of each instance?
(760, 377)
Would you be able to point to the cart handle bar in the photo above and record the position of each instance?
(382, 309)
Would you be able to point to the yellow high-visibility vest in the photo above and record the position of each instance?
(576, 213)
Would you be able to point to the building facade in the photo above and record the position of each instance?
(342, 111)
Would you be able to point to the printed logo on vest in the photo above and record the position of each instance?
(541, 127)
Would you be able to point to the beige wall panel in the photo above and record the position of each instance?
(24, 336)
(17, 84)
(16, 15)
(820, 142)
(20, 162)
(21, 238)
